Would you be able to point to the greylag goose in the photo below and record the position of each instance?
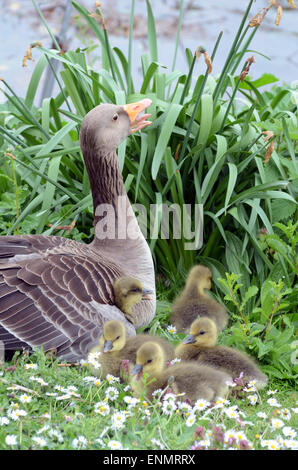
(114, 347)
(200, 346)
(56, 293)
(192, 380)
(193, 301)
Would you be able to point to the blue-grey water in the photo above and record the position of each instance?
(202, 21)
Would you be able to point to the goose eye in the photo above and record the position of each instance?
(135, 289)
(149, 360)
(202, 332)
(115, 117)
(118, 337)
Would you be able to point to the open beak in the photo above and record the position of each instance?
(133, 110)
(108, 345)
(189, 339)
(146, 294)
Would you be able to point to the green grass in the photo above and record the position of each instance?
(64, 408)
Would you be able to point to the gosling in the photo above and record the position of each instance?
(193, 302)
(200, 346)
(114, 348)
(191, 380)
(127, 292)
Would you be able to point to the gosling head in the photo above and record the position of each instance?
(202, 333)
(150, 359)
(201, 276)
(128, 291)
(113, 337)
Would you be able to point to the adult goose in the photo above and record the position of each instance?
(57, 293)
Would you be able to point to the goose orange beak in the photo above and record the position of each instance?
(133, 110)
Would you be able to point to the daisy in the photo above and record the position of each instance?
(295, 410)
(11, 440)
(262, 415)
(38, 380)
(273, 402)
(112, 393)
(40, 441)
(131, 401)
(43, 429)
(204, 443)
(102, 408)
(291, 444)
(93, 356)
(118, 420)
(25, 398)
(169, 396)
(4, 421)
(80, 442)
(115, 445)
(168, 407)
(240, 436)
(286, 414)
(253, 399)
(289, 432)
(112, 379)
(30, 366)
(83, 363)
(46, 415)
(190, 420)
(172, 329)
(16, 414)
(230, 436)
(231, 412)
(220, 402)
(184, 407)
(271, 392)
(271, 444)
(201, 405)
(277, 423)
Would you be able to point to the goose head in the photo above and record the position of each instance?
(113, 337)
(202, 333)
(150, 360)
(107, 125)
(128, 291)
(200, 277)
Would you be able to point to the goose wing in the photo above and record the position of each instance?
(55, 293)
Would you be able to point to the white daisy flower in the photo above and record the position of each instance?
(102, 408)
(231, 412)
(205, 443)
(271, 444)
(172, 329)
(30, 366)
(79, 442)
(16, 414)
(112, 379)
(4, 421)
(25, 398)
(131, 401)
(118, 419)
(43, 429)
(11, 440)
(168, 407)
(277, 423)
(115, 445)
(291, 444)
(253, 399)
(286, 414)
(111, 393)
(230, 435)
(201, 405)
(295, 410)
(38, 380)
(262, 415)
(220, 402)
(271, 392)
(56, 435)
(273, 402)
(289, 432)
(40, 441)
(190, 420)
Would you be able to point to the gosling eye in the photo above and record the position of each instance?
(115, 117)
(118, 337)
(135, 289)
(202, 332)
(149, 360)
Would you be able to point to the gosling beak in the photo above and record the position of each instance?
(133, 110)
(108, 345)
(138, 369)
(146, 294)
(189, 339)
